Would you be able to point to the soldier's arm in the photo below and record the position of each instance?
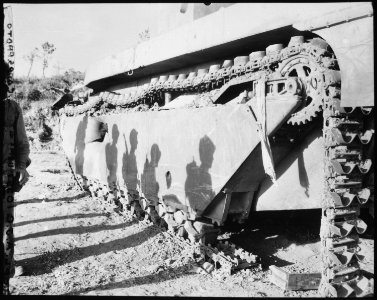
(23, 148)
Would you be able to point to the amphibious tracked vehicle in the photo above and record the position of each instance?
(251, 108)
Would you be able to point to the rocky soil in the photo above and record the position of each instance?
(69, 245)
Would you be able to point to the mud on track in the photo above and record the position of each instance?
(69, 245)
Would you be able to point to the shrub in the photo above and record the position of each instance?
(72, 76)
(36, 92)
(34, 95)
(24, 104)
(33, 80)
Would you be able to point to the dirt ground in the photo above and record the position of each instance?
(69, 245)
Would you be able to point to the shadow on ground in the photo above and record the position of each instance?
(75, 230)
(141, 280)
(76, 197)
(57, 218)
(44, 263)
(267, 232)
(55, 171)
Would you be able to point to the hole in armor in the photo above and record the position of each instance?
(293, 73)
(280, 87)
(307, 71)
(168, 179)
(270, 88)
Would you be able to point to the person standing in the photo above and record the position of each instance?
(15, 160)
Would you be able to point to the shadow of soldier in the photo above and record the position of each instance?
(198, 185)
(149, 184)
(129, 163)
(46, 262)
(80, 145)
(74, 230)
(111, 153)
(167, 274)
(35, 200)
(57, 218)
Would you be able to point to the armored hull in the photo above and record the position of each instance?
(162, 155)
(194, 148)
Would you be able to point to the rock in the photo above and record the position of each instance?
(18, 271)
(153, 268)
(194, 269)
(208, 267)
(169, 261)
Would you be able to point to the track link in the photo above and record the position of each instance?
(348, 135)
(348, 138)
(308, 61)
(226, 257)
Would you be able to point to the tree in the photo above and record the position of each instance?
(47, 50)
(35, 53)
(71, 77)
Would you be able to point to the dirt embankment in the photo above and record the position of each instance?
(69, 245)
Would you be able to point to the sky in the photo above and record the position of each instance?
(81, 33)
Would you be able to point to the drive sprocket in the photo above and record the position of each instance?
(310, 68)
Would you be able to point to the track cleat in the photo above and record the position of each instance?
(342, 137)
(366, 137)
(345, 168)
(341, 258)
(363, 195)
(344, 152)
(364, 287)
(342, 201)
(255, 59)
(337, 275)
(361, 226)
(366, 110)
(344, 290)
(340, 229)
(365, 166)
(336, 243)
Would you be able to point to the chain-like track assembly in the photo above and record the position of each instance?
(348, 137)
(309, 69)
(300, 67)
(225, 256)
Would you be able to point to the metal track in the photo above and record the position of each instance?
(225, 256)
(347, 134)
(348, 138)
(276, 65)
